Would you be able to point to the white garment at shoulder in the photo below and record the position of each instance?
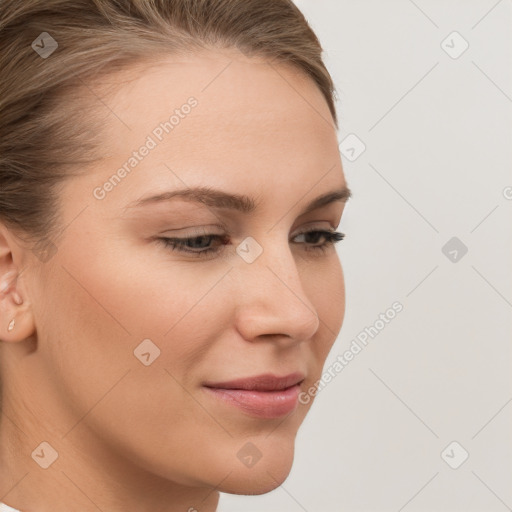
(6, 508)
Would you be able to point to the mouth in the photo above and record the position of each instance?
(263, 396)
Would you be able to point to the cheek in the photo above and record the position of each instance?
(327, 293)
(101, 313)
(116, 301)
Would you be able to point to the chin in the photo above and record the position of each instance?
(271, 470)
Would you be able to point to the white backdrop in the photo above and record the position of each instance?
(421, 418)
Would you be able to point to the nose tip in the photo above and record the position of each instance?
(295, 323)
(276, 311)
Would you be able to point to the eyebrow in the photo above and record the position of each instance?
(219, 199)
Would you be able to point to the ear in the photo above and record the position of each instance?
(16, 317)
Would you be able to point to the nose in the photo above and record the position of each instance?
(272, 302)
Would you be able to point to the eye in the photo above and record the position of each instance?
(331, 238)
(200, 246)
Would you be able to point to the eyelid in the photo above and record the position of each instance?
(320, 225)
(209, 230)
(196, 231)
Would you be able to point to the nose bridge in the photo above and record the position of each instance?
(273, 301)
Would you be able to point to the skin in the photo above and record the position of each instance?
(147, 438)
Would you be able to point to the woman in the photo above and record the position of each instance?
(170, 189)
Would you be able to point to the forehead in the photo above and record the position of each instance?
(251, 120)
(241, 98)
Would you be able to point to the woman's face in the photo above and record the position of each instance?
(129, 330)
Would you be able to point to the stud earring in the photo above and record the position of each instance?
(10, 327)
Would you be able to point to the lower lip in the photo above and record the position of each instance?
(263, 404)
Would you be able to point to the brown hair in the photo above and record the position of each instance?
(44, 135)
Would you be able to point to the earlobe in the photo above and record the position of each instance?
(17, 328)
(16, 322)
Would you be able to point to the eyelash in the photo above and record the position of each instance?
(178, 244)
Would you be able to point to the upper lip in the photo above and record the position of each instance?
(264, 382)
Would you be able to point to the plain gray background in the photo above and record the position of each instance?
(436, 120)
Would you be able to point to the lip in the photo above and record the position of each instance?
(264, 382)
(264, 396)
